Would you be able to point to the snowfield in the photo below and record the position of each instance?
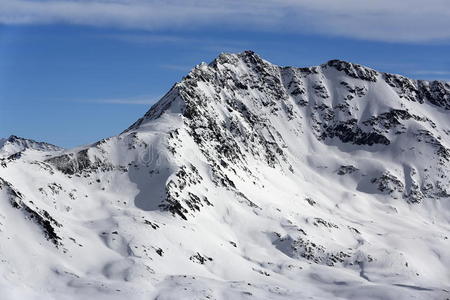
(247, 180)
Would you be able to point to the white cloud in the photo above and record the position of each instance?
(386, 20)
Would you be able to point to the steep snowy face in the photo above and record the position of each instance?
(246, 178)
(241, 108)
(14, 145)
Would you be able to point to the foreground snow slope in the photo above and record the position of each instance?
(246, 180)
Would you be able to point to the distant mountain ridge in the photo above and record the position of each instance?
(15, 144)
(247, 179)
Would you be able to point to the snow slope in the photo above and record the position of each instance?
(245, 181)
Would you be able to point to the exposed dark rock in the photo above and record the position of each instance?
(306, 249)
(349, 132)
(200, 259)
(388, 183)
(40, 217)
(344, 170)
(74, 163)
(354, 70)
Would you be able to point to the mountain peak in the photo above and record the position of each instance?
(353, 70)
(252, 58)
(233, 58)
(14, 137)
(246, 73)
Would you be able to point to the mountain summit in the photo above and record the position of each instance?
(245, 180)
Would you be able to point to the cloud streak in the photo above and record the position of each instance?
(432, 72)
(381, 20)
(139, 100)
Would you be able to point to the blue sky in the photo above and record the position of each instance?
(72, 72)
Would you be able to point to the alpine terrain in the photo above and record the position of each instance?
(247, 180)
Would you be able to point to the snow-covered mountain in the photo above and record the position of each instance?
(14, 145)
(246, 180)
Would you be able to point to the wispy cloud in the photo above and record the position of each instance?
(432, 72)
(137, 100)
(431, 75)
(386, 20)
(149, 38)
(207, 43)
